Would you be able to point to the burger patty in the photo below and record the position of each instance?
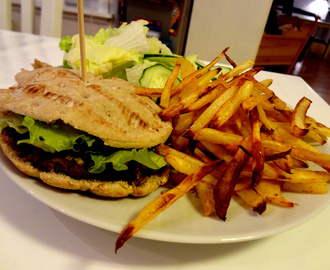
(71, 163)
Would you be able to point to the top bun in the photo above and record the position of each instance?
(106, 108)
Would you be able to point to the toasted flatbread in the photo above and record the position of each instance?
(106, 108)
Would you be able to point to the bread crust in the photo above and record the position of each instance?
(114, 189)
(106, 108)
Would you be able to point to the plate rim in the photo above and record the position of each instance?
(10, 170)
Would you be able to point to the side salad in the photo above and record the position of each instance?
(127, 53)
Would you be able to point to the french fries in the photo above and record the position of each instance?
(232, 136)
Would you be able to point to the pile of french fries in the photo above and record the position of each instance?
(232, 136)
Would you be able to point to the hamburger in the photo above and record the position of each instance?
(95, 136)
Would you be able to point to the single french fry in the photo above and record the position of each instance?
(253, 199)
(179, 142)
(183, 122)
(275, 146)
(205, 195)
(201, 155)
(314, 135)
(298, 125)
(258, 157)
(271, 191)
(166, 94)
(307, 176)
(161, 203)
(207, 98)
(231, 61)
(263, 87)
(314, 188)
(320, 128)
(266, 82)
(151, 92)
(224, 189)
(218, 151)
(302, 164)
(271, 156)
(243, 183)
(239, 69)
(297, 175)
(183, 163)
(290, 139)
(189, 89)
(185, 65)
(207, 77)
(216, 136)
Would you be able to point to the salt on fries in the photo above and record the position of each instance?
(233, 135)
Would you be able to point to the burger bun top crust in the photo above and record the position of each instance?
(106, 108)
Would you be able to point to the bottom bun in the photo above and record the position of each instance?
(115, 189)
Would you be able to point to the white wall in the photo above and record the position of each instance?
(217, 24)
(318, 7)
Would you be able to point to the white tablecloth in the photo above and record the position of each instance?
(34, 236)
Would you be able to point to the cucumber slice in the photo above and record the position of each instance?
(158, 55)
(164, 59)
(156, 76)
(225, 70)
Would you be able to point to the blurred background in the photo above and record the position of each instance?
(287, 36)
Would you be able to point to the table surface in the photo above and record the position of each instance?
(320, 23)
(34, 236)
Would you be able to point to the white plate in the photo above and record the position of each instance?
(183, 222)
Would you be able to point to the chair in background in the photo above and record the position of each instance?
(285, 49)
(50, 21)
(217, 24)
(137, 9)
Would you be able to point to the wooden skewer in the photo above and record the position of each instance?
(82, 39)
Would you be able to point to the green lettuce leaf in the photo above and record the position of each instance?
(131, 37)
(101, 59)
(53, 137)
(14, 121)
(112, 50)
(156, 46)
(60, 137)
(65, 43)
(120, 158)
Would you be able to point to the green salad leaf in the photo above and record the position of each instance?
(14, 121)
(53, 137)
(60, 137)
(112, 50)
(66, 43)
(120, 158)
